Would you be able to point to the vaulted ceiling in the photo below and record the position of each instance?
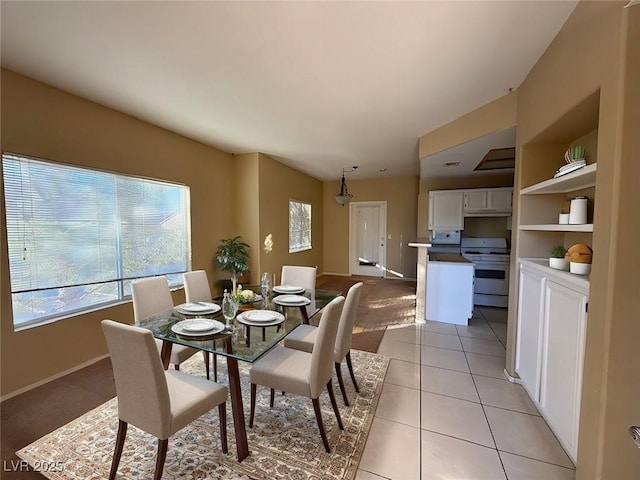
(316, 85)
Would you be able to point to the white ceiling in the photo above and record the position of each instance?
(317, 85)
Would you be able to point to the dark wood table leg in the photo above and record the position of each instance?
(305, 317)
(165, 353)
(239, 426)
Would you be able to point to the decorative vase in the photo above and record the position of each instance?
(580, 268)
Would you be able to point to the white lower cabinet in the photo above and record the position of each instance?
(552, 316)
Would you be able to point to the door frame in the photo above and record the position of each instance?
(383, 232)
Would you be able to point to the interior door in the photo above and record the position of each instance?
(367, 232)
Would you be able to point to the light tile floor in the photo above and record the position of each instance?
(447, 412)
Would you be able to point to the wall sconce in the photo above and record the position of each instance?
(344, 196)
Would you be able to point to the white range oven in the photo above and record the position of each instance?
(491, 259)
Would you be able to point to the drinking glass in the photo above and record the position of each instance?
(229, 309)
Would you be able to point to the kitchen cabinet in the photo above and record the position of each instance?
(488, 201)
(552, 321)
(449, 296)
(446, 212)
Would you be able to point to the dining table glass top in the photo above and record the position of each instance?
(246, 343)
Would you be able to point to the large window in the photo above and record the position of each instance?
(299, 226)
(77, 237)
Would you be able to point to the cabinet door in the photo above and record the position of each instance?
(499, 200)
(530, 323)
(446, 211)
(562, 361)
(475, 200)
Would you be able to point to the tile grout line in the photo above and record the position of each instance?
(484, 412)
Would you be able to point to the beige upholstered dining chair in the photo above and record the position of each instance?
(156, 401)
(304, 337)
(196, 289)
(302, 373)
(299, 276)
(150, 296)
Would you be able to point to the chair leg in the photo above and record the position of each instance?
(272, 397)
(176, 366)
(215, 367)
(117, 453)
(316, 408)
(341, 384)
(253, 404)
(162, 455)
(353, 377)
(222, 413)
(334, 404)
(205, 355)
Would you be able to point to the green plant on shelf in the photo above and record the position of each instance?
(557, 251)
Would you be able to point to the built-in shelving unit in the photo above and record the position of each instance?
(588, 227)
(578, 180)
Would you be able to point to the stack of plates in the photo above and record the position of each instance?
(198, 308)
(291, 300)
(197, 327)
(260, 318)
(288, 289)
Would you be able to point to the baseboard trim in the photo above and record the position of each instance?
(510, 378)
(53, 377)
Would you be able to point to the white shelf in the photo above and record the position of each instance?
(583, 178)
(559, 228)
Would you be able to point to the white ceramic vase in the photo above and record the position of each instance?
(580, 268)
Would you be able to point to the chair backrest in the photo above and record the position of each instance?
(299, 276)
(150, 296)
(141, 385)
(196, 286)
(323, 347)
(347, 319)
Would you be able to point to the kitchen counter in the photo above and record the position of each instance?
(447, 257)
(421, 284)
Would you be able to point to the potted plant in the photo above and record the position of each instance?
(232, 257)
(556, 258)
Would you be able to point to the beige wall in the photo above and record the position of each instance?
(42, 121)
(492, 117)
(247, 211)
(279, 184)
(401, 194)
(585, 57)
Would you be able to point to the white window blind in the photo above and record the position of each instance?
(299, 226)
(77, 237)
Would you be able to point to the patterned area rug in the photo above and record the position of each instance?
(284, 442)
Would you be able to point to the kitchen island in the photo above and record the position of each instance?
(421, 280)
(449, 295)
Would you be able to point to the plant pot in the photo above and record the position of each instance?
(580, 268)
(559, 263)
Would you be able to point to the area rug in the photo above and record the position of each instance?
(284, 443)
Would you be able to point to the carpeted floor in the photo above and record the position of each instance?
(284, 443)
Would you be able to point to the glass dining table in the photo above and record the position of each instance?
(246, 343)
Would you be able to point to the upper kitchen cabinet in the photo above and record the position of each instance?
(446, 210)
(484, 202)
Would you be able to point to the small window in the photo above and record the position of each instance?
(78, 237)
(299, 226)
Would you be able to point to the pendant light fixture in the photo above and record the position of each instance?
(344, 196)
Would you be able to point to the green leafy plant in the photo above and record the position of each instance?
(232, 257)
(577, 152)
(557, 251)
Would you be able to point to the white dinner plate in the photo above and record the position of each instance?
(287, 289)
(276, 319)
(197, 327)
(291, 300)
(197, 308)
(260, 315)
